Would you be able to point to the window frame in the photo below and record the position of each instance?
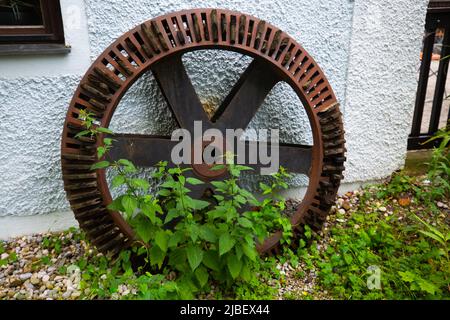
(51, 32)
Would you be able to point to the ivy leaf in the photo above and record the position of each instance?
(194, 181)
(226, 243)
(202, 276)
(234, 265)
(161, 239)
(211, 260)
(100, 165)
(195, 256)
(129, 204)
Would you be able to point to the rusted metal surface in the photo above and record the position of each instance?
(157, 46)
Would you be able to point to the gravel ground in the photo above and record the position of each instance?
(42, 266)
(30, 271)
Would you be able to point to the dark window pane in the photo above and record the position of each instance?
(20, 13)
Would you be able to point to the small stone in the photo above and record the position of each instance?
(25, 276)
(45, 278)
(382, 209)
(35, 279)
(4, 256)
(28, 286)
(67, 294)
(346, 205)
(440, 204)
(15, 282)
(341, 211)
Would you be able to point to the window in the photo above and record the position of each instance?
(30, 23)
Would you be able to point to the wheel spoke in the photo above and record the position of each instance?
(294, 158)
(142, 150)
(179, 92)
(244, 100)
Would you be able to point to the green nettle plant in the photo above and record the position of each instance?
(439, 167)
(203, 242)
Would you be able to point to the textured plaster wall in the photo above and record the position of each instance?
(381, 85)
(369, 60)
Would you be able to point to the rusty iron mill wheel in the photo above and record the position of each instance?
(157, 46)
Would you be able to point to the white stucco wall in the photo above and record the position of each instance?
(367, 48)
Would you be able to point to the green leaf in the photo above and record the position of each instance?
(129, 204)
(107, 141)
(175, 239)
(101, 152)
(157, 256)
(194, 255)
(407, 276)
(218, 167)
(164, 192)
(211, 260)
(202, 276)
(82, 133)
(208, 233)
(149, 211)
(245, 222)
(161, 240)
(194, 181)
(226, 243)
(246, 274)
(104, 130)
(140, 183)
(129, 166)
(170, 185)
(194, 231)
(432, 236)
(198, 204)
(172, 214)
(144, 232)
(234, 265)
(249, 251)
(427, 286)
(219, 185)
(243, 168)
(116, 205)
(118, 181)
(100, 165)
